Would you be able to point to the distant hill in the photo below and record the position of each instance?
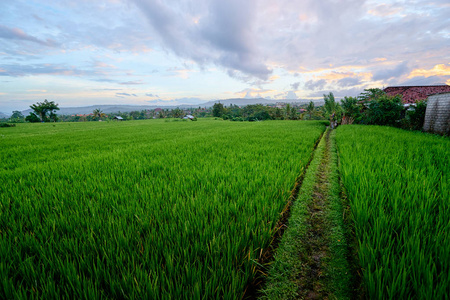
(251, 101)
(107, 109)
(3, 115)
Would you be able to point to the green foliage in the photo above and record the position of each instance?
(415, 116)
(370, 94)
(397, 184)
(310, 109)
(218, 110)
(177, 113)
(333, 110)
(17, 117)
(2, 124)
(41, 109)
(144, 209)
(98, 114)
(385, 110)
(351, 109)
(32, 118)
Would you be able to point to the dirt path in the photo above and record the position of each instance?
(312, 260)
(312, 281)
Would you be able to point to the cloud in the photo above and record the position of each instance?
(209, 32)
(398, 71)
(152, 95)
(295, 85)
(253, 93)
(384, 10)
(291, 95)
(315, 84)
(424, 80)
(19, 34)
(125, 94)
(136, 82)
(16, 70)
(437, 70)
(348, 81)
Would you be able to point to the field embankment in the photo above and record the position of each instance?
(311, 261)
(398, 188)
(147, 209)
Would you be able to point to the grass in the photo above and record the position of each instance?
(143, 209)
(317, 208)
(397, 185)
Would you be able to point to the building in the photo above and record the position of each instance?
(412, 94)
(437, 116)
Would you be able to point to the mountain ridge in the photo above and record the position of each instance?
(115, 108)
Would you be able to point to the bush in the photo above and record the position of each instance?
(416, 117)
(385, 110)
(7, 125)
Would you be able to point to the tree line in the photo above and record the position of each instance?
(372, 107)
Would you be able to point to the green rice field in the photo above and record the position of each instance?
(398, 188)
(145, 209)
(164, 209)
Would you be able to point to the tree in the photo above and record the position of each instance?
(42, 108)
(218, 110)
(310, 109)
(32, 118)
(177, 113)
(351, 110)
(369, 94)
(331, 108)
(98, 114)
(16, 117)
(385, 110)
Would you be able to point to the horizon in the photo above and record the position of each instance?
(147, 52)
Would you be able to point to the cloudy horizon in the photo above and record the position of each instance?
(139, 52)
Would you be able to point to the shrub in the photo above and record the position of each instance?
(416, 116)
(385, 110)
(7, 125)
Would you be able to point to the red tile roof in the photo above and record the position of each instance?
(412, 94)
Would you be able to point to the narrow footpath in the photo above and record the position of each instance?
(311, 261)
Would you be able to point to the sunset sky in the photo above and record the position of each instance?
(154, 52)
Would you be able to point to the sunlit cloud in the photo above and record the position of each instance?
(437, 70)
(385, 10)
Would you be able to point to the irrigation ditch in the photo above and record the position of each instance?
(309, 256)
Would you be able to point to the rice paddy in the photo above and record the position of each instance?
(184, 210)
(143, 209)
(398, 187)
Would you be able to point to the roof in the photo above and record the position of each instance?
(118, 118)
(412, 94)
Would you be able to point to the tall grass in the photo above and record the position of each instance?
(143, 209)
(398, 187)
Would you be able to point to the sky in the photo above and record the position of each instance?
(173, 52)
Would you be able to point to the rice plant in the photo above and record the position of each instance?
(143, 209)
(397, 183)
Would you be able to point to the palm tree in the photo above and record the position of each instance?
(98, 113)
(331, 107)
(310, 109)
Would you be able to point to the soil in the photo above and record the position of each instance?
(312, 280)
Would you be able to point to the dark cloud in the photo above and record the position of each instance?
(125, 94)
(399, 70)
(152, 95)
(348, 81)
(421, 80)
(218, 32)
(295, 85)
(315, 84)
